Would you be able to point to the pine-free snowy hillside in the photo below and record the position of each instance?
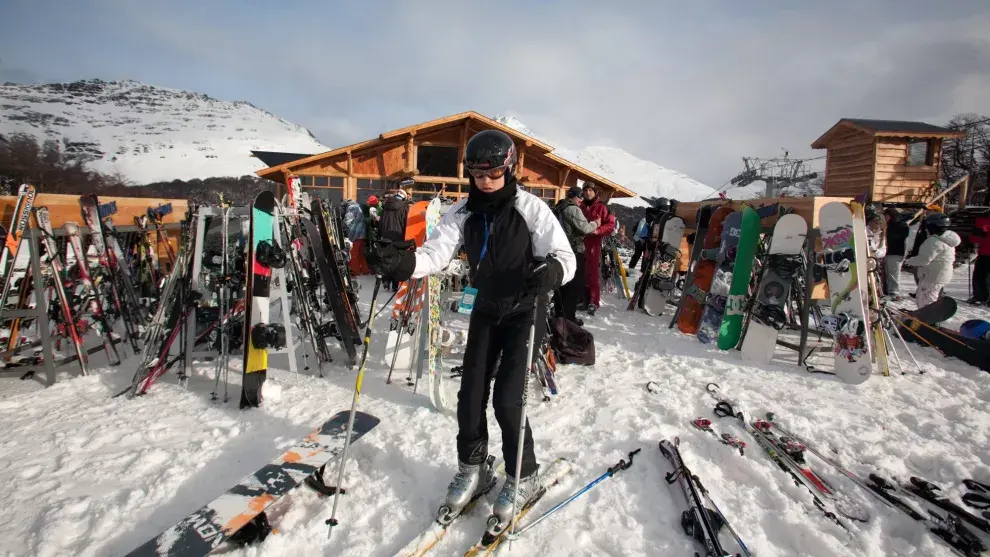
(644, 177)
(149, 133)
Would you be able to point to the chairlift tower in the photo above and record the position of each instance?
(776, 172)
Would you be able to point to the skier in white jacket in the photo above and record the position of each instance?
(935, 258)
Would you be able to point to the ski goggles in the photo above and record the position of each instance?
(491, 173)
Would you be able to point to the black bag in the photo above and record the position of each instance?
(572, 343)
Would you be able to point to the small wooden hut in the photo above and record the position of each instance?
(889, 160)
(431, 154)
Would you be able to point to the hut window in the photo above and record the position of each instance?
(305, 180)
(920, 152)
(434, 160)
(321, 181)
(366, 188)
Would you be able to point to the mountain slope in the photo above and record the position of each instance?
(149, 133)
(644, 177)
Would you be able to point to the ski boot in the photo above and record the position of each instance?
(530, 488)
(471, 482)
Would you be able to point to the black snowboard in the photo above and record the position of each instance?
(918, 327)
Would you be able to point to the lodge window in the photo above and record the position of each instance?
(548, 194)
(920, 152)
(368, 187)
(328, 188)
(423, 191)
(435, 160)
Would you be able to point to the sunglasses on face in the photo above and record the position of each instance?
(491, 173)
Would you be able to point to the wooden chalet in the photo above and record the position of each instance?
(430, 157)
(891, 161)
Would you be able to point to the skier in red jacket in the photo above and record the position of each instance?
(594, 209)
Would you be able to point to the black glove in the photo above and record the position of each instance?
(392, 260)
(544, 276)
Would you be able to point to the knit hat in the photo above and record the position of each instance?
(574, 191)
(372, 200)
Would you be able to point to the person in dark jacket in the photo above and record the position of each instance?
(392, 223)
(897, 235)
(518, 254)
(640, 235)
(576, 227)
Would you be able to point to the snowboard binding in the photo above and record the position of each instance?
(268, 335)
(270, 255)
(771, 315)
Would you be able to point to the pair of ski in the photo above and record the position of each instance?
(947, 527)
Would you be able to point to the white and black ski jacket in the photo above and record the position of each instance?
(499, 248)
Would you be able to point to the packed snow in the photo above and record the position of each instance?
(149, 133)
(92, 475)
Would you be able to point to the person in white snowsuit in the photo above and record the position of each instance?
(935, 258)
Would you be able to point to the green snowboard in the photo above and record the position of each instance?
(749, 237)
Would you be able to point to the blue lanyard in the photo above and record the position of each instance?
(484, 247)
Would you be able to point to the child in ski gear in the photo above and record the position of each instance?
(897, 235)
(576, 227)
(981, 271)
(594, 210)
(518, 253)
(935, 258)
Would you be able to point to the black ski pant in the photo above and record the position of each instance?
(981, 278)
(570, 294)
(637, 253)
(496, 350)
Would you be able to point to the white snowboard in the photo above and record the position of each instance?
(655, 301)
(788, 238)
(846, 293)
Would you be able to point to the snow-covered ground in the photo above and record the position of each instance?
(92, 475)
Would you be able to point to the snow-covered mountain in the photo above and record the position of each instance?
(149, 133)
(641, 176)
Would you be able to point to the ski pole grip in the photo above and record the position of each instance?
(622, 464)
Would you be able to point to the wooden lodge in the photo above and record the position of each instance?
(891, 161)
(431, 154)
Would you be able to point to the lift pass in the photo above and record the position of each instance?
(467, 300)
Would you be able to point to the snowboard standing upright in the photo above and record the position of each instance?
(259, 334)
(664, 264)
(704, 271)
(432, 308)
(782, 263)
(742, 271)
(847, 324)
(711, 316)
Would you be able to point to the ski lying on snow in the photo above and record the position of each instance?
(204, 530)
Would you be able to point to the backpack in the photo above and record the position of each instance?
(572, 343)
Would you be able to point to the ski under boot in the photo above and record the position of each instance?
(530, 488)
(471, 482)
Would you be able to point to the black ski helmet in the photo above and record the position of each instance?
(491, 149)
(662, 204)
(936, 223)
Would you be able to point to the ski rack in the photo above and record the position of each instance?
(278, 291)
(48, 364)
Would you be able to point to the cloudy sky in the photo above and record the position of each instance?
(693, 86)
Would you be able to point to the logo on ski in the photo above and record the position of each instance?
(107, 209)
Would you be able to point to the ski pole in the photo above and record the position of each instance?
(522, 412)
(332, 521)
(618, 467)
